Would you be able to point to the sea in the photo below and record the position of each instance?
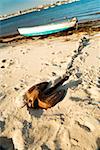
(84, 10)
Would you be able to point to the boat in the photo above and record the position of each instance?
(50, 28)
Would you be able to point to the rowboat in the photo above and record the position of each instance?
(48, 28)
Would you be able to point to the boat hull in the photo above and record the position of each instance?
(45, 32)
(46, 29)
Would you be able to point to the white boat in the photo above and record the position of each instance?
(48, 28)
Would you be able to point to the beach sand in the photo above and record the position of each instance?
(73, 123)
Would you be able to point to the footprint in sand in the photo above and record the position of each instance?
(6, 143)
(2, 95)
(98, 82)
(98, 79)
(6, 63)
(22, 85)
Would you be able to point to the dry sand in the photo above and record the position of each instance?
(73, 123)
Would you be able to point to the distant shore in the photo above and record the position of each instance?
(38, 8)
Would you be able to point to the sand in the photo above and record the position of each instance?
(73, 123)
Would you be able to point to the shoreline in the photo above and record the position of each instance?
(38, 8)
(88, 26)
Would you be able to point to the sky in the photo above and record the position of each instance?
(9, 6)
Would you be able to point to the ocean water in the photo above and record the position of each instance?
(83, 10)
(10, 6)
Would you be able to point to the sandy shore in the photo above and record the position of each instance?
(73, 123)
